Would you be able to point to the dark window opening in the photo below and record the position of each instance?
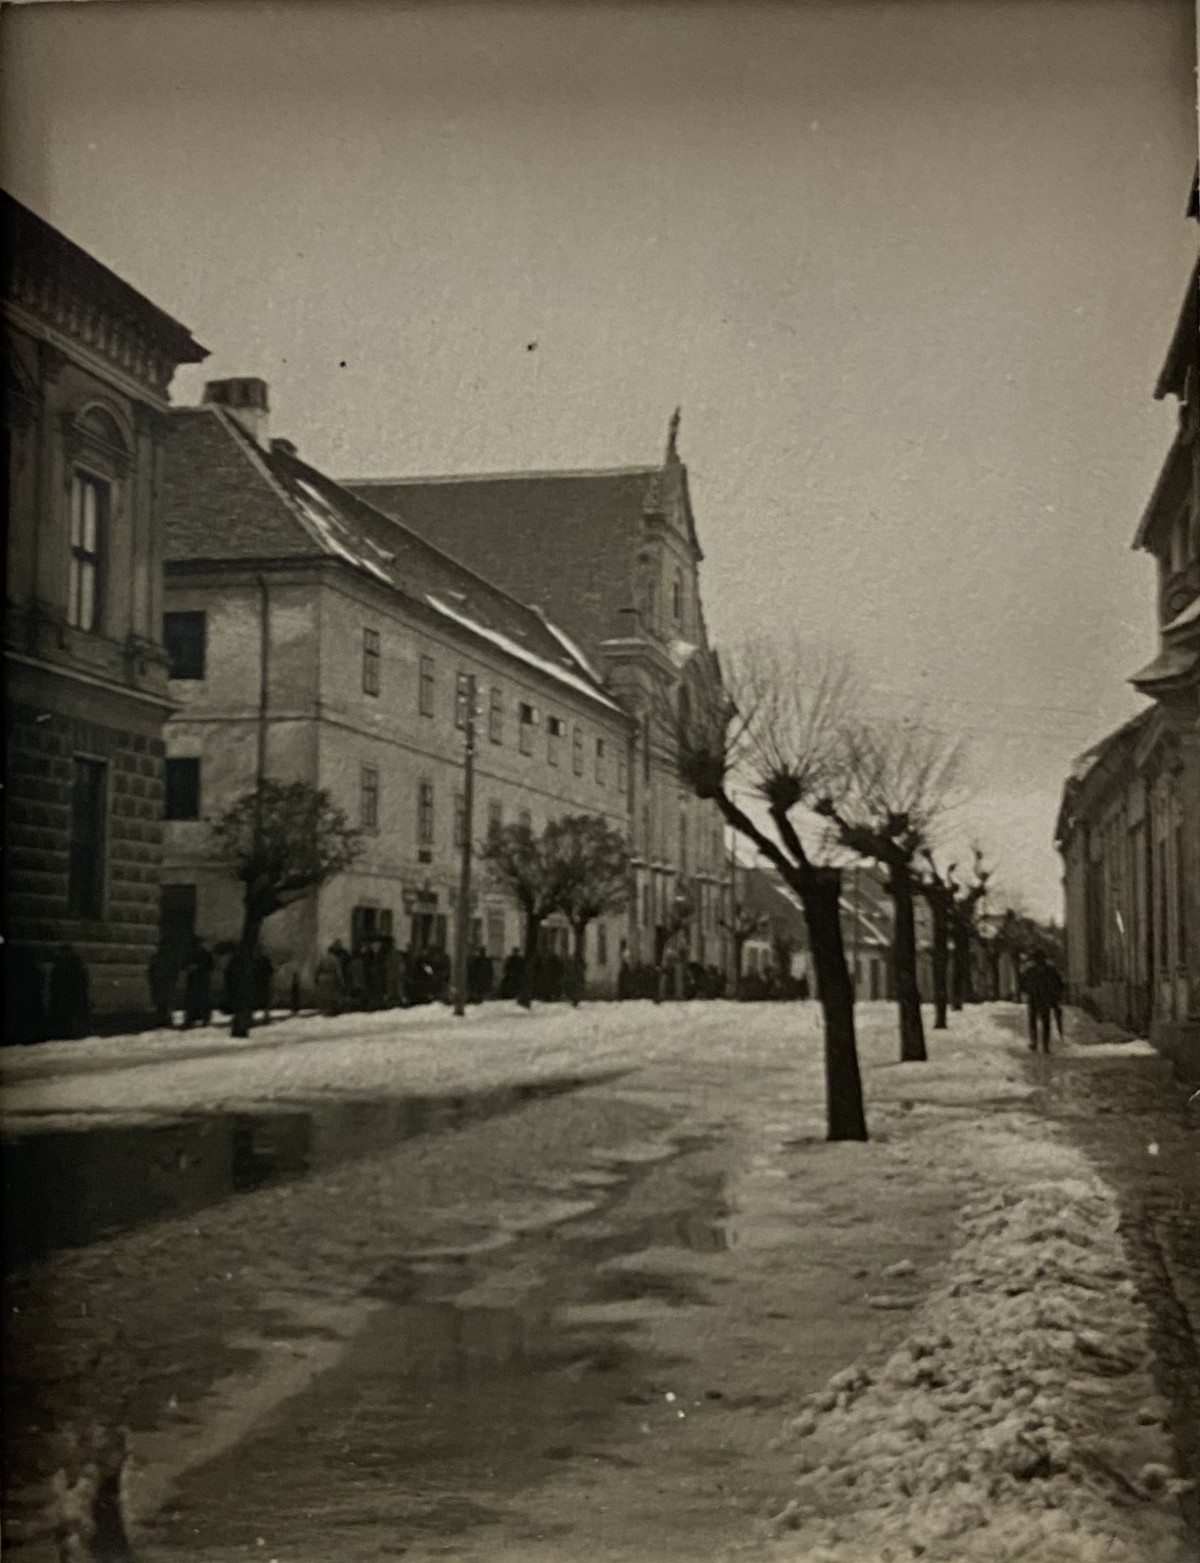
(371, 662)
(182, 789)
(89, 517)
(185, 635)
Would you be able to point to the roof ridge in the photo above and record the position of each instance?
(641, 470)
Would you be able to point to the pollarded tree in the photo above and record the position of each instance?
(520, 864)
(283, 841)
(774, 722)
(895, 780)
(939, 897)
(592, 862)
(964, 906)
(741, 927)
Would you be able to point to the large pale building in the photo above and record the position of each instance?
(87, 366)
(613, 555)
(1129, 825)
(313, 637)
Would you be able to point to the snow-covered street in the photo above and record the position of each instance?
(592, 1284)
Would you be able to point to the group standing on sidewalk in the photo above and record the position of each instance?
(1044, 990)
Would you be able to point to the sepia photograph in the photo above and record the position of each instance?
(601, 860)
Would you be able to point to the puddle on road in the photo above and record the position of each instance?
(443, 1410)
(66, 1187)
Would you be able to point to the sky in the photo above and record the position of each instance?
(909, 267)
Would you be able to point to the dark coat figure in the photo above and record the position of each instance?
(803, 990)
(329, 980)
(510, 981)
(262, 972)
(439, 963)
(163, 976)
(479, 977)
(1043, 988)
(69, 1002)
(197, 987)
(24, 998)
(378, 973)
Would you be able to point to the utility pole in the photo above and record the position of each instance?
(463, 919)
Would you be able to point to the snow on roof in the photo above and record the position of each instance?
(514, 648)
(320, 515)
(570, 647)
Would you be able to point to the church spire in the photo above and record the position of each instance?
(673, 435)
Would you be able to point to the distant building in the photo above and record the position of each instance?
(614, 557)
(87, 366)
(313, 637)
(1129, 824)
(866, 929)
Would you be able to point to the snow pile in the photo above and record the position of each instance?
(989, 1434)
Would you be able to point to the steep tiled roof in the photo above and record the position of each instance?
(1185, 342)
(228, 499)
(564, 541)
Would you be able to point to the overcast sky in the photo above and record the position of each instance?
(909, 268)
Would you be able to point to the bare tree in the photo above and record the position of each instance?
(592, 863)
(774, 722)
(741, 926)
(520, 864)
(283, 841)
(895, 782)
(939, 897)
(964, 906)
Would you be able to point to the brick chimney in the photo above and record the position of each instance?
(245, 400)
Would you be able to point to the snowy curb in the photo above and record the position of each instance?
(1018, 1420)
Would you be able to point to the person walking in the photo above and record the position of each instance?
(163, 976)
(68, 997)
(329, 980)
(197, 987)
(1043, 988)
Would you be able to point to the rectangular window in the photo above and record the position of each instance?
(600, 761)
(495, 817)
(185, 635)
(368, 797)
(425, 814)
(577, 751)
(371, 661)
(85, 871)
(182, 789)
(526, 722)
(460, 819)
(425, 691)
(462, 700)
(622, 771)
(89, 517)
(554, 732)
(496, 716)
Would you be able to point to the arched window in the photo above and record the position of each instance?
(102, 426)
(677, 597)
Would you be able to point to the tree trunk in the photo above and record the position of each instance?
(958, 964)
(821, 892)
(579, 965)
(525, 986)
(908, 994)
(940, 917)
(243, 983)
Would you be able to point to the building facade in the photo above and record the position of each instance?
(314, 638)
(613, 555)
(87, 366)
(1129, 825)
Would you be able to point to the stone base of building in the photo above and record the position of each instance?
(50, 721)
(1179, 1041)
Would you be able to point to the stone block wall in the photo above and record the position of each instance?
(118, 945)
